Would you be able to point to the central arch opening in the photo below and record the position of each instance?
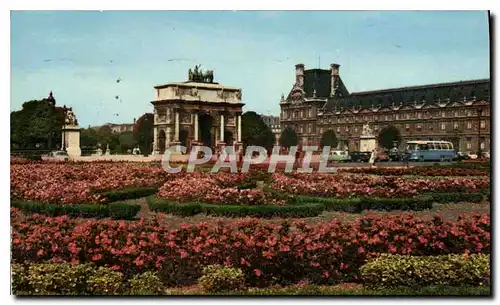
(205, 123)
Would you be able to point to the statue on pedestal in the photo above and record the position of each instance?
(70, 117)
(367, 131)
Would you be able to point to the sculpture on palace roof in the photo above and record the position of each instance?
(197, 75)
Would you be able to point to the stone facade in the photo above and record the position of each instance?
(196, 113)
(273, 121)
(458, 112)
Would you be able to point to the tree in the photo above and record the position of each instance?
(389, 136)
(288, 138)
(143, 133)
(329, 139)
(126, 141)
(255, 131)
(88, 139)
(104, 135)
(37, 125)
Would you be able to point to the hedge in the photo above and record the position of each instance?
(357, 205)
(129, 193)
(79, 279)
(115, 210)
(457, 197)
(414, 271)
(263, 211)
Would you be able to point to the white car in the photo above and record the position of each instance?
(472, 156)
(59, 155)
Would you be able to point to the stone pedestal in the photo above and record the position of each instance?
(367, 143)
(71, 140)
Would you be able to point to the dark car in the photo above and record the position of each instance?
(360, 156)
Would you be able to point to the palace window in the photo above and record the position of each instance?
(455, 113)
(310, 127)
(469, 125)
(407, 115)
(397, 116)
(301, 129)
(386, 117)
(419, 115)
(347, 128)
(419, 126)
(443, 126)
(455, 125)
(482, 145)
(443, 114)
(321, 130)
(338, 129)
(469, 144)
(310, 113)
(469, 113)
(407, 126)
(483, 124)
(356, 129)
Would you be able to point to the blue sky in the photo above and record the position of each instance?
(79, 55)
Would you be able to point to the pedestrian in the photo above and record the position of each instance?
(373, 157)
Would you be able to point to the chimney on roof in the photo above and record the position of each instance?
(334, 72)
(299, 75)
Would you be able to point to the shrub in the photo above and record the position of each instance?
(58, 278)
(19, 278)
(218, 278)
(457, 197)
(147, 283)
(129, 193)
(357, 205)
(404, 270)
(262, 211)
(116, 210)
(105, 281)
(123, 210)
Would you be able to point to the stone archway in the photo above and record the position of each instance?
(205, 123)
(228, 137)
(161, 141)
(183, 137)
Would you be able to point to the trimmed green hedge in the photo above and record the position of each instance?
(357, 205)
(80, 279)
(457, 197)
(263, 211)
(418, 271)
(129, 193)
(115, 210)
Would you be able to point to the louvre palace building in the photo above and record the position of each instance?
(458, 112)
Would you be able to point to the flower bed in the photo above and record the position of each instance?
(293, 251)
(354, 185)
(220, 188)
(72, 183)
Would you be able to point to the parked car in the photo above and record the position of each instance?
(472, 156)
(462, 156)
(360, 156)
(485, 155)
(382, 157)
(59, 155)
(339, 156)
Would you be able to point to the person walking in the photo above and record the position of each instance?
(373, 157)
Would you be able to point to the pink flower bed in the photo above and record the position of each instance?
(345, 185)
(71, 183)
(220, 188)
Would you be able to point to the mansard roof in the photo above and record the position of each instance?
(409, 96)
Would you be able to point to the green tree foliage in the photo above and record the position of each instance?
(126, 142)
(37, 125)
(143, 133)
(88, 139)
(329, 139)
(288, 138)
(255, 132)
(388, 136)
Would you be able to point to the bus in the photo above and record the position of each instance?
(424, 150)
